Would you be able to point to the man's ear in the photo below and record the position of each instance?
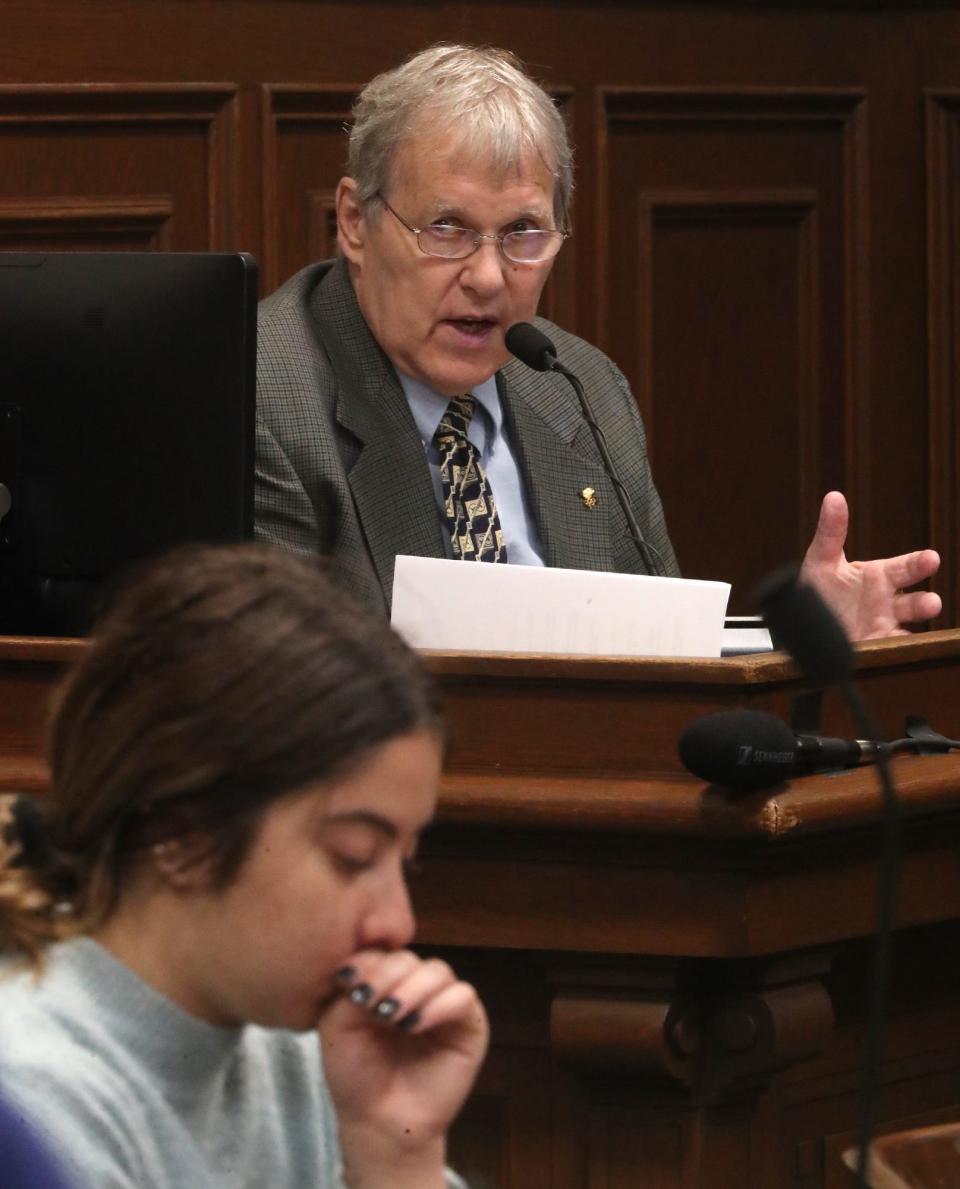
(351, 221)
(181, 862)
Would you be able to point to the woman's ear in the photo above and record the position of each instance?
(181, 862)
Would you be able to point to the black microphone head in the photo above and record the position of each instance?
(739, 749)
(531, 346)
(802, 623)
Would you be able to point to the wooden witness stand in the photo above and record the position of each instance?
(676, 976)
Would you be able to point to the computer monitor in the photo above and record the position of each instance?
(127, 404)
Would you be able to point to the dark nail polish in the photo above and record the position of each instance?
(387, 1007)
(361, 994)
(346, 974)
(409, 1021)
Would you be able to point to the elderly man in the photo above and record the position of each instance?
(391, 416)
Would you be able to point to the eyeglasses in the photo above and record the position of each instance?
(456, 243)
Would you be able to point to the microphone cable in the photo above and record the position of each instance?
(532, 347)
(815, 639)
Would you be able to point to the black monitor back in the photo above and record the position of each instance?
(127, 405)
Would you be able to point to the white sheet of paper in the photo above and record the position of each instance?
(743, 634)
(472, 607)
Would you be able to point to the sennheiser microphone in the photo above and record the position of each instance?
(744, 750)
(532, 347)
(802, 623)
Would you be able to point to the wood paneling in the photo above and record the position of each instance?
(304, 155)
(111, 165)
(735, 222)
(752, 230)
(623, 1140)
(943, 305)
(83, 223)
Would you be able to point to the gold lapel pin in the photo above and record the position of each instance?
(589, 497)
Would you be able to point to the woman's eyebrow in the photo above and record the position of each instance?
(363, 817)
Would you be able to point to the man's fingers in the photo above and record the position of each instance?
(910, 568)
(830, 537)
(917, 605)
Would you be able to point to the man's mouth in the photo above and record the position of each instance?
(473, 326)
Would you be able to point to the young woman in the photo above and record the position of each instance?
(241, 766)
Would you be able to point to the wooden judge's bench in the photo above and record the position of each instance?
(677, 977)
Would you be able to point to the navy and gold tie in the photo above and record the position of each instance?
(468, 502)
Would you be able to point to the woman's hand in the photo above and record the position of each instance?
(401, 1048)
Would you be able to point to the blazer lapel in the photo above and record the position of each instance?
(552, 441)
(390, 480)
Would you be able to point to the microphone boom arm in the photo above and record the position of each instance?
(651, 558)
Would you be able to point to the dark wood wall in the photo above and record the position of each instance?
(765, 224)
(766, 231)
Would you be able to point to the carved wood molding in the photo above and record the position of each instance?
(844, 111)
(615, 1034)
(796, 208)
(146, 222)
(322, 224)
(943, 335)
(283, 106)
(212, 107)
(23, 774)
(715, 1034)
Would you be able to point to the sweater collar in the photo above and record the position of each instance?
(179, 1048)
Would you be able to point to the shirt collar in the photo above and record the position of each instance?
(428, 406)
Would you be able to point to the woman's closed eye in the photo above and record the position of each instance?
(360, 842)
(351, 864)
(353, 846)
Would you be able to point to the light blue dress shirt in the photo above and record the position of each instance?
(488, 432)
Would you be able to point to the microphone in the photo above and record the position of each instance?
(798, 616)
(744, 750)
(532, 347)
(802, 623)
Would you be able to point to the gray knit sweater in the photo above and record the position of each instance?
(133, 1093)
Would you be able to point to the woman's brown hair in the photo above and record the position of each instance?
(219, 679)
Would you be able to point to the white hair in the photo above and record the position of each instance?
(496, 113)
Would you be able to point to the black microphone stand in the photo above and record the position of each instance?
(883, 945)
(651, 558)
(532, 347)
(806, 627)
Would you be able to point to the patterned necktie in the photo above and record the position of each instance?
(467, 499)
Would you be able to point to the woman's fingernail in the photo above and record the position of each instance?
(387, 1007)
(361, 994)
(346, 974)
(409, 1021)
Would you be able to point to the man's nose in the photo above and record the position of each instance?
(483, 270)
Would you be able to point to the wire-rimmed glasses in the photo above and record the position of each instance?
(456, 243)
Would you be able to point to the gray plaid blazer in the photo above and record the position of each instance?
(342, 472)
